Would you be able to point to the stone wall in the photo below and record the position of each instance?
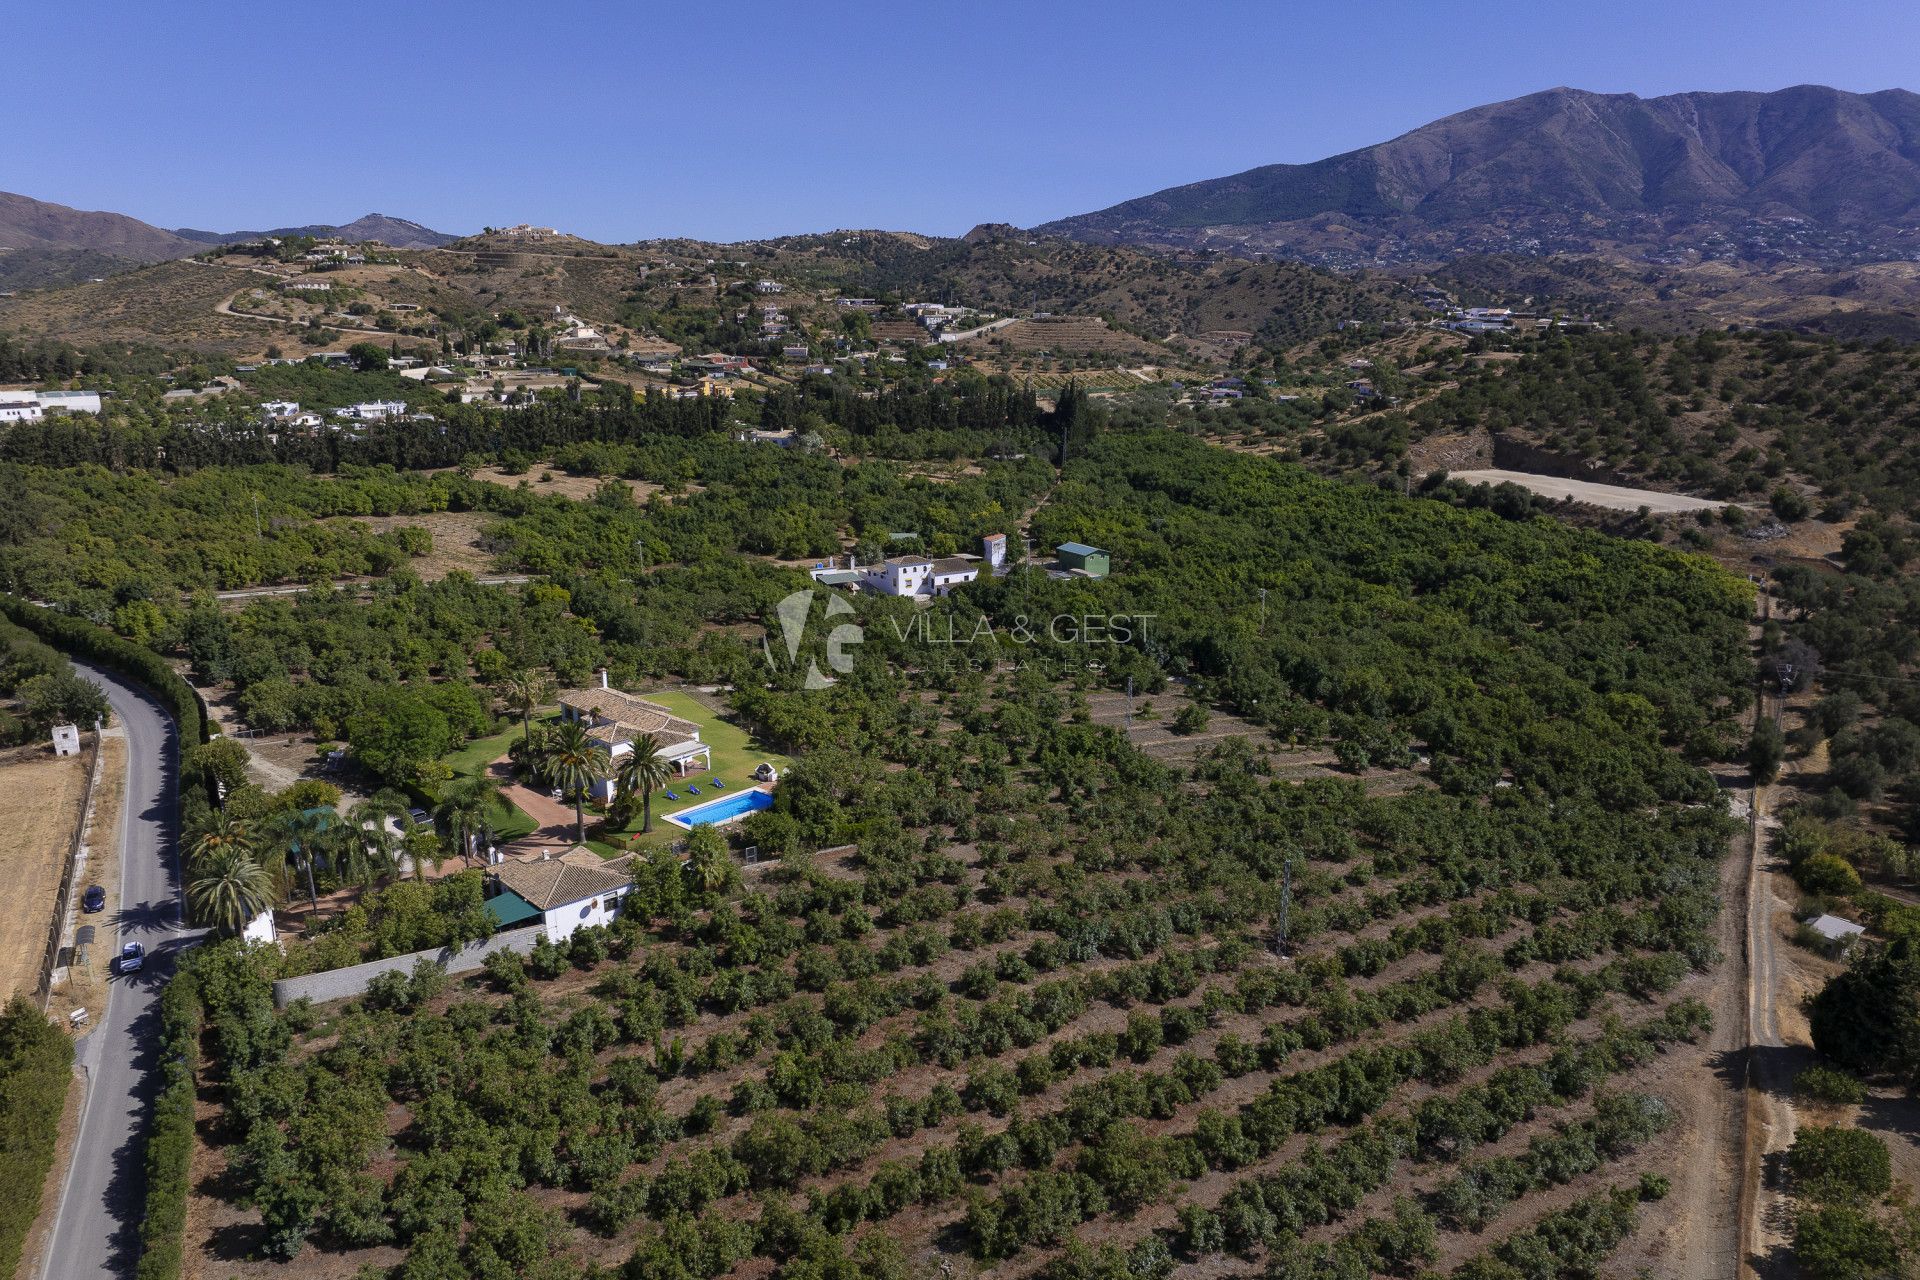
(338, 984)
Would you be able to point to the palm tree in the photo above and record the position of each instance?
(229, 888)
(303, 837)
(523, 691)
(575, 762)
(709, 865)
(644, 770)
(371, 851)
(466, 808)
(220, 833)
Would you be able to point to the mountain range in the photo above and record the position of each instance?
(398, 232)
(51, 244)
(1808, 172)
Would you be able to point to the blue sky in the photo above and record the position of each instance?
(626, 121)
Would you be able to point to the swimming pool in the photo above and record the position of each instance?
(725, 809)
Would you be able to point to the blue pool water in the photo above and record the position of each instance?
(725, 809)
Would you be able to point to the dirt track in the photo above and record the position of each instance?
(1612, 496)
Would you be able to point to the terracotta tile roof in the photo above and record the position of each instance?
(633, 715)
(555, 882)
(954, 564)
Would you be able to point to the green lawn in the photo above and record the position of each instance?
(510, 822)
(736, 753)
(481, 752)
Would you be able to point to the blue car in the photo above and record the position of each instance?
(95, 899)
(133, 958)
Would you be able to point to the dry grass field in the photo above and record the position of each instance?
(40, 797)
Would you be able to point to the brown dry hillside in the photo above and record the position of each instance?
(26, 223)
(172, 303)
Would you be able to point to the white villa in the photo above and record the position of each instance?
(615, 718)
(373, 410)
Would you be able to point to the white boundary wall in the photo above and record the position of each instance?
(338, 984)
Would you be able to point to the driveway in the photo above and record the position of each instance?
(556, 823)
(96, 1230)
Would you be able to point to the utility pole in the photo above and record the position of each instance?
(257, 534)
(1129, 707)
(1263, 611)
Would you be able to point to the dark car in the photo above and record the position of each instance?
(133, 958)
(94, 899)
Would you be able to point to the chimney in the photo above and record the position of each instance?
(602, 673)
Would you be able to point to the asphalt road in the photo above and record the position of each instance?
(96, 1233)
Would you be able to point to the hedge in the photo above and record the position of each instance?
(36, 1066)
(170, 1140)
(78, 637)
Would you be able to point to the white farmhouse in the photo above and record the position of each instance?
(31, 406)
(898, 575)
(919, 575)
(564, 893)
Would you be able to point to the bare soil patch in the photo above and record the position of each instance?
(545, 480)
(40, 797)
(456, 540)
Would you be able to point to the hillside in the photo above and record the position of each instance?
(1806, 172)
(26, 223)
(1134, 301)
(398, 232)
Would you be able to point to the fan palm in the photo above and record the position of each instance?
(523, 691)
(644, 770)
(371, 850)
(229, 888)
(575, 762)
(708, 864)
(302, 838)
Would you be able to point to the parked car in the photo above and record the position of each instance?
(421, 818)
(133, 958)
(94, 899)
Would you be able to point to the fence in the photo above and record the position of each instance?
(69, 878)
(338, 984)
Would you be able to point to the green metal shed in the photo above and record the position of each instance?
(1091, 561)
